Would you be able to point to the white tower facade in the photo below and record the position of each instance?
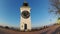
(25, 22)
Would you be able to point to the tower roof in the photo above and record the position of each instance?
(25, 3)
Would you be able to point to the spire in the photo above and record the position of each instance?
(25, 3)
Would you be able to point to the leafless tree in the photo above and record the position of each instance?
(55, 7)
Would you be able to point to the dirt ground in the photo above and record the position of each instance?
(50, 30)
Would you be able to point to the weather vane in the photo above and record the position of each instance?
(24, 1)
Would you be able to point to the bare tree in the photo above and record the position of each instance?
(55, 7)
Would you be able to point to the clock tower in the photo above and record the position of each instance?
(25, 21)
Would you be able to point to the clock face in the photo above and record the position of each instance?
(25, 14)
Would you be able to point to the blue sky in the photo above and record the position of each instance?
(10, 13)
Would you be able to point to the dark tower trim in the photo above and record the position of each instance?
(25, 3)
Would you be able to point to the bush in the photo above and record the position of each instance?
(1, 26)
(6, 27)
